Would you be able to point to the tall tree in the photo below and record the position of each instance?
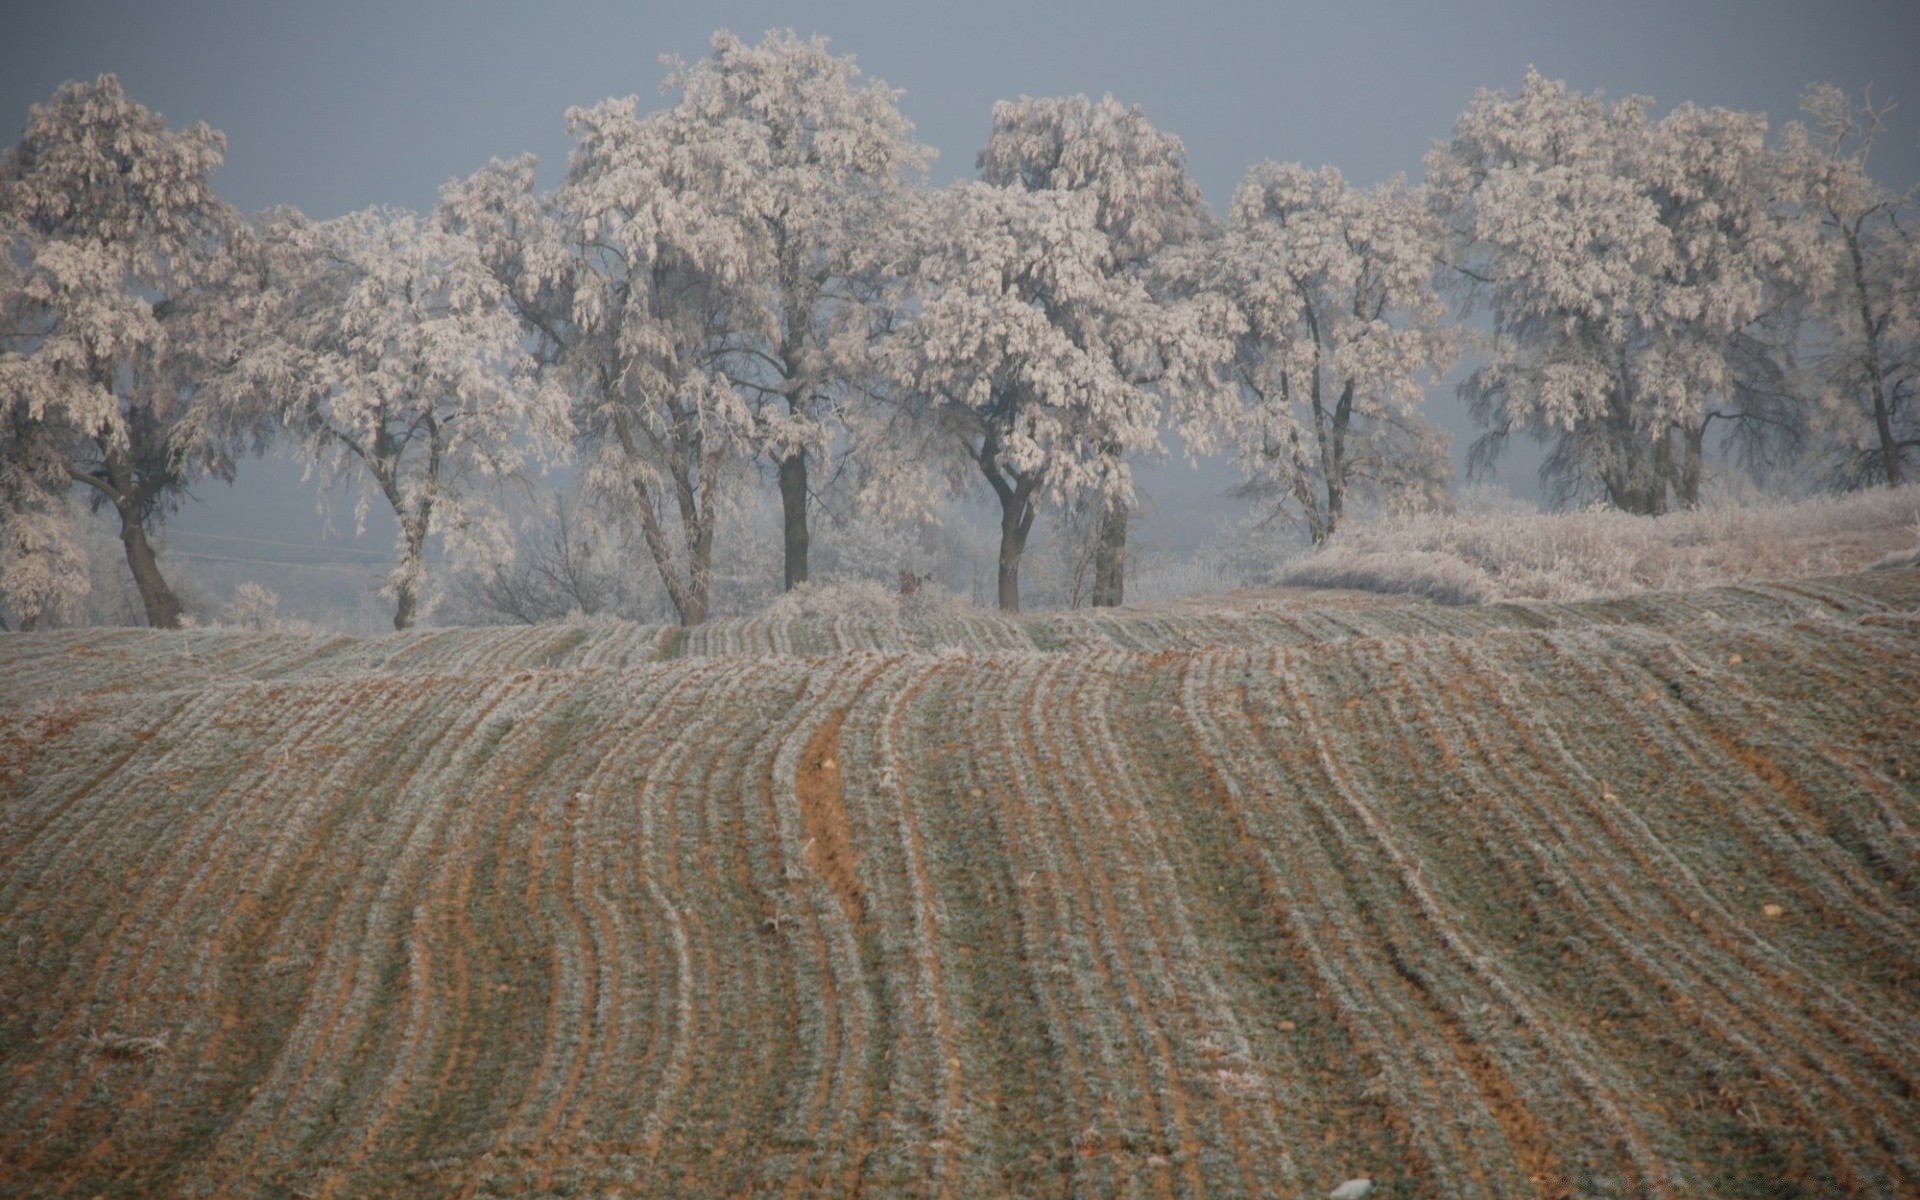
(1867, 297)
(1341, 329)
(385, 350)
(629, 278)
(814, 166)
(1634, 271)
(1144, 202)
(120, 263)
(1027, 362)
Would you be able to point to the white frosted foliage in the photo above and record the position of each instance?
(116, 258)
(385, 351)
(1332, 288)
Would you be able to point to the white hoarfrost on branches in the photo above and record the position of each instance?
(1147, 206)
(631, 282)
(702, 282)
(116, 260)
(1636, 272)
(1029, 363)
(814, 168)
(1341, 329)
(1866, 295)
(385, 350)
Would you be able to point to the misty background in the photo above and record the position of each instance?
(336, 107)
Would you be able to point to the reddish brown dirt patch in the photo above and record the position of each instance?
(823, 817)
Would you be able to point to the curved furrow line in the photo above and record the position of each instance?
(285, 1066)
(1865, 682)
(714, 824)
(1551, 1095)
(1257, 775)
(820, 864)
(229, 989)
(699, 1004)
(142, 999)
(1326, 1124)
(539, 852)
(1199, 1039)
(310, 1064)
(1459, 962)
(1026, 1082)
(1793, 837)
(611, 1011)
(601, 845)
(121, 835)
(1743, 1020)
(727, 830)
(843, 763)
(1831, 884)
(1087, 1013)
(392, 1024)
(1216, 1045)
(520, 922)
(1724, 730)
(1588, 908)
(1457, 1140)
(929, 1030)
(1479, 998)
(439, 1002)
(1080, 855)
(993, 1002)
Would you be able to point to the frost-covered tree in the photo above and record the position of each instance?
(1340, 330)
(1029, 363)
(702, 280)
(630, 280)
(384, 349)
(1866, 299)
(117, 269)
(814, 166)
(1635, 272)
(1144, 202)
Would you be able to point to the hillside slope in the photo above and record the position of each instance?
(1613, 898)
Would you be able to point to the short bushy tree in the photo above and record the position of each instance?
(1341, 329)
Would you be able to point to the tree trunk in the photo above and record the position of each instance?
(406, 608)
(1686, 482)
(793, 502)
(1110, 557)
(1876, 383)
(1016, 521)
(162, 606)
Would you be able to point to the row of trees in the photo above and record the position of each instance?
(757, 279)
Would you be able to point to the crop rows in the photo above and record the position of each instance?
(1617, 898)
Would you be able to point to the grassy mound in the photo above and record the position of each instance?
(1606, 898)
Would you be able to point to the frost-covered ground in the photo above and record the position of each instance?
(1476, 557)
(1614, 897)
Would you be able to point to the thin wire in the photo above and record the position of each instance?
(229, 537)
(279, 562)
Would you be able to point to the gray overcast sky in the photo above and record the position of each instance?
(336, 106)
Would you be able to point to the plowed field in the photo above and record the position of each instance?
(1617, 898)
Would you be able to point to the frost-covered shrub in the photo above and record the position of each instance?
(1438, 577)
(1494, 553)
(866, 598)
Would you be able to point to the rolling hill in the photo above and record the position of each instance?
(1615, 898)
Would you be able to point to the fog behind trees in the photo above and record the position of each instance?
(1177, 505)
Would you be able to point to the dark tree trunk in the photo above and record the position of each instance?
(793, 502)
(406, 607)
(1110, 557)
(1014, 527)
(162, 606)
(1686, 481)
